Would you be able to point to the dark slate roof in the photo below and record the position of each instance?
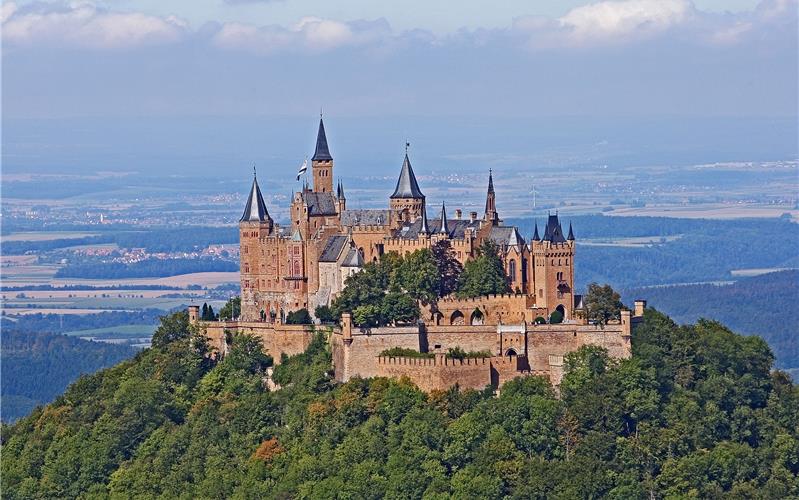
(571, 233)
(490, 181)
(506, 235)
(353, 259)
(423, 227)
(407, 187)
(554, 231)
(322, 152)
(578, 302)
(456, 228)
(535, 234)
(365, 217)
(340, 191)
(255, 209)
(319, 203)
(443, 227)
(335, 244)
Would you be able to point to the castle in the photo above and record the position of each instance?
(305, 265)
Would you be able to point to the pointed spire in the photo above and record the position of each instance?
(255, 209)
(571, 233)
(491, 200)
(490, 181)
(443, 227)
(322, 152)
(339, 191)
(424, 229)
(535, 233)
(407, 187)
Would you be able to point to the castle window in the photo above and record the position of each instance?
(512, 270)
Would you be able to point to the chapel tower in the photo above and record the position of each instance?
(322, 163)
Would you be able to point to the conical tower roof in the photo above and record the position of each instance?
(322, 152)
(443, 227)
(535, 233)
(571, 233)
(424, 229)
(255, 209)
(407, 187)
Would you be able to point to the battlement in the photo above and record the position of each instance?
(451, 299)
(441, 360)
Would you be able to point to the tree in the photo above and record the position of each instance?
(417, 274)
(449, 268)
(231, 309)
(299, 317)
(483, 275)
(325, 314)
(556, 317)
(602, 304)
(173, 327)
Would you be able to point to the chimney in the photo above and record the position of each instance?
(472, 216)
(458, 213)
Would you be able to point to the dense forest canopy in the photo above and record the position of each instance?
(696, 412)
(764, 305)
(37, 367)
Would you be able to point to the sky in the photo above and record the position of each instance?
(135, 66)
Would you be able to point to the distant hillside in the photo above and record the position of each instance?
(765, 305)
(37, 367)
(692, 250)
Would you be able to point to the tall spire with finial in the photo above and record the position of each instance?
(424, 229)
(491, 202)
(535, 233)
(407, 186)
(443, 227)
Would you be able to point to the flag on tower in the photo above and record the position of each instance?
(303, 168)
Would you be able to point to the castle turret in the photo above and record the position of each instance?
(424, 229)
(491, 202)
(408, 199)
(443, 227)
(341, 200)
(322, 163)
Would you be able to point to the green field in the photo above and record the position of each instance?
(121, 331)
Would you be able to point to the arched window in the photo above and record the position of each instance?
(477, 317)
(296, 269)
(456, 318)
(512, 270)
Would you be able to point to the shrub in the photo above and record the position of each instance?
(300, 317)
(556, 317)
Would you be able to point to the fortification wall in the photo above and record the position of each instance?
(437, 373)
(548, 344)
(356, 355)
(277, 339)
(494, 309)
(468, 338)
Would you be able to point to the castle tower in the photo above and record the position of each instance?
(491, 202)
(552, 268)
(407, 200)
(341, 200)
(255, 226)
(322, 163)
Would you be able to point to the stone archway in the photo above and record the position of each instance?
(562, 310)
(457, 318)
(477, 317)
(436, 318)
(511, 352)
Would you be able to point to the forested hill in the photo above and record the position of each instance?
(37, 367)
(765, 305)
(696, 412)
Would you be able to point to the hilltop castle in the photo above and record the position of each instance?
(306, 263)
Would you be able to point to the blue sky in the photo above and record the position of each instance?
(431, 58)
(149, 83)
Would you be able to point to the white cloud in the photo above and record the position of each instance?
(622, 19)
(310, 34)
(85, 25)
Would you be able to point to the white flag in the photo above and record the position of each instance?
(303, 168)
